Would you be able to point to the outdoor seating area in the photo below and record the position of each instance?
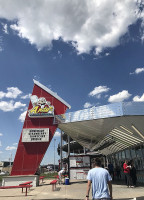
(53, 183)
(76, 190)
(26, 186)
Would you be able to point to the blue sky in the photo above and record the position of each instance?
(90, 53)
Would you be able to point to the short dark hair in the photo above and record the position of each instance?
(96, 162)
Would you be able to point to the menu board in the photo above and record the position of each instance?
(79, 174)
(79, 161)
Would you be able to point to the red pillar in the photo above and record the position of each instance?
(30, 153)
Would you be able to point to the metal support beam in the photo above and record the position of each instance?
(61, 144)
(84, 150)
(68, 145)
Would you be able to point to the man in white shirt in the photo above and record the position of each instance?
(101, 180)
(60, 173)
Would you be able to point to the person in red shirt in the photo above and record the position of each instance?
(126, 169)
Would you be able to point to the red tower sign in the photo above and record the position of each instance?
(38, 129)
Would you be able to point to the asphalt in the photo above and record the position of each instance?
(76, 190)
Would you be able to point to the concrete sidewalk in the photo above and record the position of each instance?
(76, 190)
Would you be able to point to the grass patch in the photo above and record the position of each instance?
(49, 175)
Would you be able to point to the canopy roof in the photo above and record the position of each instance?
(107, 129)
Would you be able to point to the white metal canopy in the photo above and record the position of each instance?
(107, 129)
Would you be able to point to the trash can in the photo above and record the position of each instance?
(66, 181)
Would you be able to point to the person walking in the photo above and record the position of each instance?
(126, 169)
(101, 182)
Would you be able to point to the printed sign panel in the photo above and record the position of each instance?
(79, 161)
(79, 174)
(35, 135)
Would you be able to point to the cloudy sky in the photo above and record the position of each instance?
(90, 53)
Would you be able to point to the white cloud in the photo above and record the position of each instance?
(22, 116)
(121, 96)
(107, 54)
(98, 50)
(15, 144)
(138, 71)
(1, 152)
(85, 24)
(60, 54)
(1, 43)
(12, 92)
(10, 148)
(57, 134)
(27, 96)
(2, 94)
(1, 134)
(5, 28)
(138, 98)
(87, 105)
(97, 91)
(10, 106)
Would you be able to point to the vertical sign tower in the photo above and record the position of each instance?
(38, 129)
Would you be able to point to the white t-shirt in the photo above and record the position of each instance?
(99, 178)
(61, 172)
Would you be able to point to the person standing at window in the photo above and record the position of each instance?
(126, 169)
(133, 174)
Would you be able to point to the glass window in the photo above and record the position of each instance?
(138, 152)
(123, 155)
(133, 153)
(136, 163)
(127, 153)
(142, 148)
(116, 156)
(139, 164)
(120, 156)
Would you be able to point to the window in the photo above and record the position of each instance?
(127, 153)
(133, 153)
(138, 152)
(123, 155)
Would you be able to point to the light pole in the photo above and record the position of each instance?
(54, 154)
(10, 159)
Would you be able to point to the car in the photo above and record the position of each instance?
(4, 173)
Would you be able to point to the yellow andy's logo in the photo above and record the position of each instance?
(40, 110)
(41, 107)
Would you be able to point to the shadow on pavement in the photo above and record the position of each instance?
(137, 198)
(79, 182)
(122, 182)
